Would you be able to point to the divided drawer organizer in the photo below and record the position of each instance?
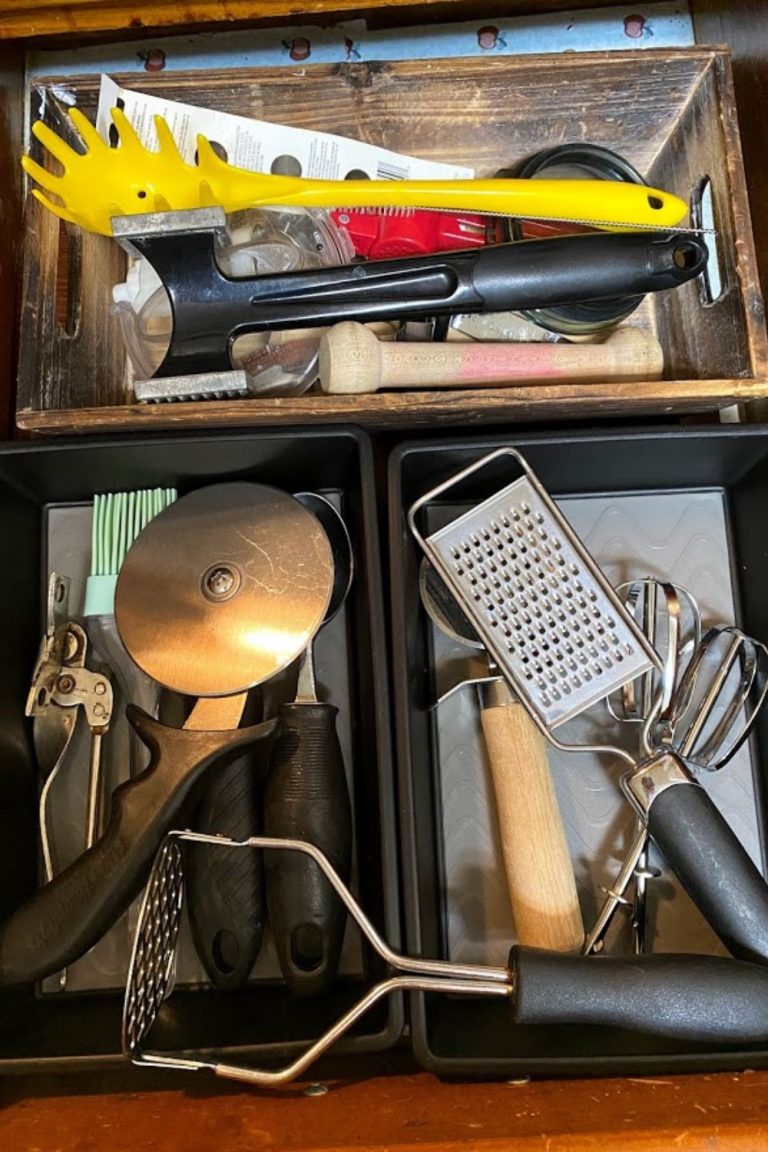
(44, 492)
(681, 505)
(670, 113)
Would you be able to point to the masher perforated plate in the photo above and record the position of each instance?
(542, 607)
(153, 962)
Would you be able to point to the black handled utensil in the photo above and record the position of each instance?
(221, 591)
(307, 798)
(211, 309)
(691, 998)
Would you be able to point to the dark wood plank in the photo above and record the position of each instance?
(11, 127)
(403, 1112)
(50, 18)
(385, 410)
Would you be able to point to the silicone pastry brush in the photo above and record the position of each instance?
(102, 182)
(118, 518)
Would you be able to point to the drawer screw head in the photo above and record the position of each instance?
(316, 1089)
(65, 684)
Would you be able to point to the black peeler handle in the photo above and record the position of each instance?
(693, 998)
(224, 887)
(307, 799)
(705, 854)
(211, 309)
(69, 915)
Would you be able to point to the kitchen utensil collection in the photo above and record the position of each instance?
(181, 248)
(214, 600)
(223, 590)
(563, 640)
(576, 253)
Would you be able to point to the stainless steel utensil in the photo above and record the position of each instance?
(540, 879)
(553, 624)
(692, 998)
(671, 620)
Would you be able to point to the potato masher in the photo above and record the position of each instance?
(692, 998)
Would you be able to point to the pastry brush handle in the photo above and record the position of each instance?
(537, 862)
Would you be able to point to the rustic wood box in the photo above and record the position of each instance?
(671, 113)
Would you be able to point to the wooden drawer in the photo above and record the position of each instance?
(671, 114)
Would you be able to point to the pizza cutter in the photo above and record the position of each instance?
(221, 591)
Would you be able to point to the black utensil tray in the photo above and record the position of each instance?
(263, 1021)
(471, 1036)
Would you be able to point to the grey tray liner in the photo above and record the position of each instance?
(677, 535)
(68, 549)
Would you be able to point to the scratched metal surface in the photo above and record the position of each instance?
(680, 536)
(68, 548)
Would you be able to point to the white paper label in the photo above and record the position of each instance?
(263, 147)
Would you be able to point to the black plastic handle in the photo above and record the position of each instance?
(713, 867)
(68, 916)
(307, 799)
(225, 886)
(210, 309)
(693, 998)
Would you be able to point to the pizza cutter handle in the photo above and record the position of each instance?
(307, 798)
(71, 913)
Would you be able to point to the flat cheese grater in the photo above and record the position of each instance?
(544, 610)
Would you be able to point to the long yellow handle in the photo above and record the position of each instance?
(104, 182)
(542, 888)
(597, 201)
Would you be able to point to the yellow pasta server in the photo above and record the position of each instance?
(104, 182)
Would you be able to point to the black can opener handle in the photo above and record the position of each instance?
(705, 854)
(211, 309)
(68, 916)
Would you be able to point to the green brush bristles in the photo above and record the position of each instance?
(118, 518)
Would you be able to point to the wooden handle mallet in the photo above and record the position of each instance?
(353, 361)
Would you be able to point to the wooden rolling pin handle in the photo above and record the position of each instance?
(542, 888)
(353, 361)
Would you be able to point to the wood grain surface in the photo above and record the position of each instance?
(668, 112)
(49, 18)
(399, 1110)
(385, 410)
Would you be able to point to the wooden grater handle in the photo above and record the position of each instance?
(352, 360)
(542, 888)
